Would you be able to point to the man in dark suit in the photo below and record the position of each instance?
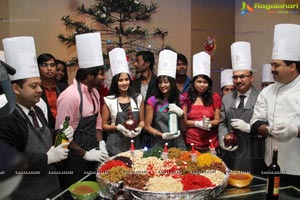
(26, 129)
(236, 112)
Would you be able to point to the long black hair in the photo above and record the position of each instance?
(65, 78)
(206, 97)
(114, 90)
(173, 93)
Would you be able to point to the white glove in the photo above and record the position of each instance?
(275, 127)
(136, 131)
(69, 132)
(240, 125)
(203, 124)
(169, 136)
(95, 155)
(206, 122)
(283, 132)
(102, 146)
(56, 154)
(124, 131)
(230, 148)
(176, 109)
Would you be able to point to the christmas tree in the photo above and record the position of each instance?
(119, 22)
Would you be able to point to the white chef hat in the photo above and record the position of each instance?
(226, 77)
(20, 53)
(266, 74)
(167, 62)
(118, 61)
(201, 64)
(89, 50)
(2, 57)
(241, 56)
(286, 42)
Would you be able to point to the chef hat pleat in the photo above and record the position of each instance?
(266, 74)
(89, 50)
(167, 63)
(286, 42)
(20, 53)
(226, 77)
(118, 61)
(241, 56)
(201, 64)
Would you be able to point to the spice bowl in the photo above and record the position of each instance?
(240, 180)
(85, 190)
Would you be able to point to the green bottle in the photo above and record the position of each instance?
(61, 136)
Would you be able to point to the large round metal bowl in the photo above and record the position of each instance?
(107, 189)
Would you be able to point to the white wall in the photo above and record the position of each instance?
(257, 28)
(41, 19)
(214, 18)
(189, 22)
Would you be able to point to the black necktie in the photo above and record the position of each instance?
(241, 105)
(34, 118)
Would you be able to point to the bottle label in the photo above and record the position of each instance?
(64, 141)
(173, 123)
(276, 185)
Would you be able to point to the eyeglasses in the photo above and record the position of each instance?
(243, 76)
(48, 64)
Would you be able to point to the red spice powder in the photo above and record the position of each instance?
(111, 164)
(194, 181)
(150, 170)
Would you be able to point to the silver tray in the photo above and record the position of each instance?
(107, 189)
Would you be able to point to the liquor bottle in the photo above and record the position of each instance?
(273, 180)
(173, 123)
(130, 123)
(61, 136)
(121, 194)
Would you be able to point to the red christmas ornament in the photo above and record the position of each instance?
(210, 46)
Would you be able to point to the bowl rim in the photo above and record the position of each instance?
(250, 176)
(95, 185)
